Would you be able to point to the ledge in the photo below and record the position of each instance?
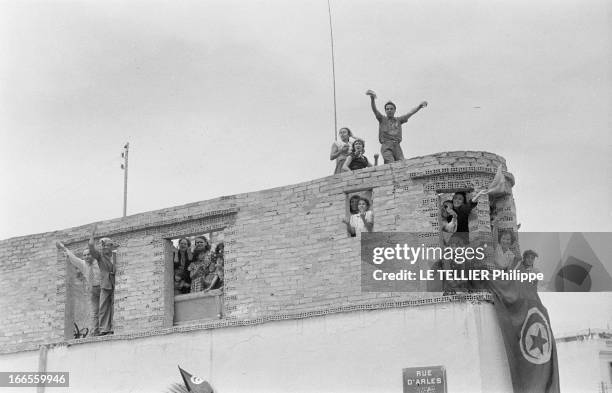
(157, 224)
(198, 295)
(225, 323)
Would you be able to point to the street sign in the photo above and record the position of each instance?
(429, 379)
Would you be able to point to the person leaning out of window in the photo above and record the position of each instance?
(362, 221)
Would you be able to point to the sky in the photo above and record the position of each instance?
(224, 97)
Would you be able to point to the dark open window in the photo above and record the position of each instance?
(197, 265)
(352, 202)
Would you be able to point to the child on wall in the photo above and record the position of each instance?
(341, 149)
(463, 207)
(504, 256)
(357, 159)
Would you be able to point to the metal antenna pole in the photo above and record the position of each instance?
(124, 166)
(331, 34)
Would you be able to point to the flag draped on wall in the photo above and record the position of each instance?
(530, 345)
(195, 384)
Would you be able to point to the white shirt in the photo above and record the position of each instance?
(90, 271)
(503, 259)
(358, 224)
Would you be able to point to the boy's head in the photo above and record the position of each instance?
(390, 109)
(359, 146)
(108, 245)
(446, 207)
(529, 257)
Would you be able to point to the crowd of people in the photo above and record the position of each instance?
(454, 228)
(200, 268)
(349, 151)
(196, 269)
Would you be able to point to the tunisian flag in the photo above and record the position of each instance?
(195, 384)
(530, 345)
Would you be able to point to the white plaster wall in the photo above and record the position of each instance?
(23, 361)
(361, 351)
(580, 366)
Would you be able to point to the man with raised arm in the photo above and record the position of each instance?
(390, 128)
(106, 261)
(89, 267)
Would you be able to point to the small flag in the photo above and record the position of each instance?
(530, 345)
(195, 384)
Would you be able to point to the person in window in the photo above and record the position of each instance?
(106, 258)
(341, 149)
(201, 244)
(198, 269)
(180, 285)
(504, 256)
(448, 221)
(183, 257)
(353, 202)
(451, 286)
(218, 261)
(217, 255)
(357, 159)
(362, 221)
(463, 208)
(89, 267)
(527, 263)
(214, 277)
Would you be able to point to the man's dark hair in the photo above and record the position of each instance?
(390, 103)
(528, 253)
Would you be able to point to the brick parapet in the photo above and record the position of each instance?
(287, 251)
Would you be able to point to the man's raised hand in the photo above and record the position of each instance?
(371, 93)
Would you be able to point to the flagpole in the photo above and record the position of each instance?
(331, 34)
(124, 166)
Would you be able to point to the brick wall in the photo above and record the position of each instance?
(287, 250)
